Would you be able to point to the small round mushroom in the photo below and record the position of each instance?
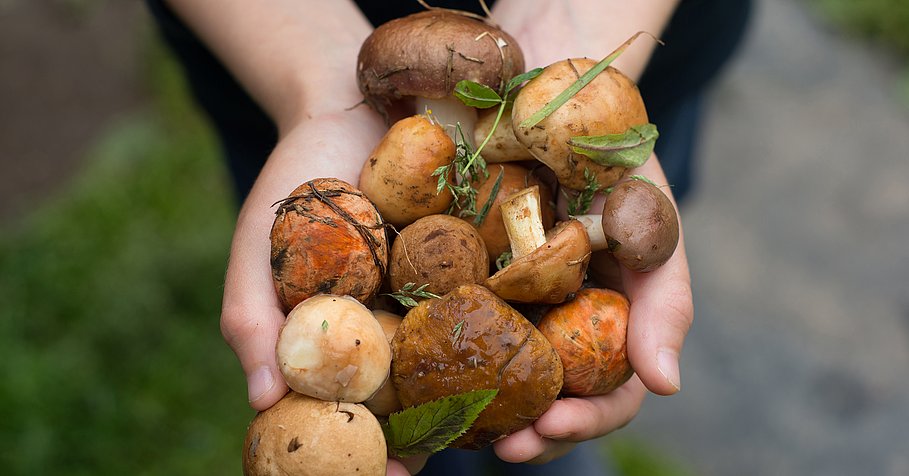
(424, 55)
(385, 401)
(472, 340)
(301, 435)
(589, 333)
(332, 348)
(327, 237)
(639, 226)
(610, 104)
(440, 251)
(514, 178)
(398, 176)
(543, 270)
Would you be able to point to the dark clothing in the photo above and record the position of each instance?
(699, 39)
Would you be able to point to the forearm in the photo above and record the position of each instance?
(297, 58)
(554, 31)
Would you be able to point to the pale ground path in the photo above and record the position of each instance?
(799, 244)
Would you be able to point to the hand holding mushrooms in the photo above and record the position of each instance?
(335, 232)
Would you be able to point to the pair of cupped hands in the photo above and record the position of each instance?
(329, 139)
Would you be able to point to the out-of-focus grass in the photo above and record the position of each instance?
(632, 457)
(885, 21)
(110, 354)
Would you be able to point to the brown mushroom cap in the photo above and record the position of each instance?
(327, 238)
(550, 273)
(440, 251)
(303, 435)
(610, 104)
(472, 340)
(427, 53)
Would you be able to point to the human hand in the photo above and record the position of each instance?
(321, 146)
(661, 313)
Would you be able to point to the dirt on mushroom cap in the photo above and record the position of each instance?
(327, 238)
(610, 104)
(300, 435)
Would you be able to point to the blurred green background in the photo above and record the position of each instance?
(111, 271)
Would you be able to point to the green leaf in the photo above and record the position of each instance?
(629, 149)
(478, 220)
(643, 178)
(578, 85)
(324, 326)
(432, 426)
(476, 94)
(520, 79)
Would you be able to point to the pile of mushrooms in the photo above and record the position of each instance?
(340, 252)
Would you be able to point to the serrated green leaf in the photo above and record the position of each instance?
(629, 149)
(476, 94)
(432, 426)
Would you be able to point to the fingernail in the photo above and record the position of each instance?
(260, 382)
(668, 364)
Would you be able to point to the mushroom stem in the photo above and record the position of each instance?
(593, 224)
(523, 220)
(448, 112)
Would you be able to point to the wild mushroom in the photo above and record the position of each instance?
(303, 435)
(385, 401)
(609, 104)
(503, 146)
(439, 251)
(472, 340)
(514, 178)
(639, 225)
(542, 270)
(398, 176)
(424, 55)
(589, 334)
(332, 348)
(327, 237)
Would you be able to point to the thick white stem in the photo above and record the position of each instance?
(523, 219)
(594, 226)
(448, 112)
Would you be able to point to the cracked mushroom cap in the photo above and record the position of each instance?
(427, 53)
(472, 340)
(550, 273)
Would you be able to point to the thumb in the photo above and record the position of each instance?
(251, 316)
(661, 314)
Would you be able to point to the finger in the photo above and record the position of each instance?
(582, 419)
(406, 466)
(661, 310)
(527, 446)
(251, 315)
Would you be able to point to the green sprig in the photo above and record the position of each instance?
(408, 292)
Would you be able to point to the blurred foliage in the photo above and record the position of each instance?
(109, 344)
(885, 21)
(632, 457)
